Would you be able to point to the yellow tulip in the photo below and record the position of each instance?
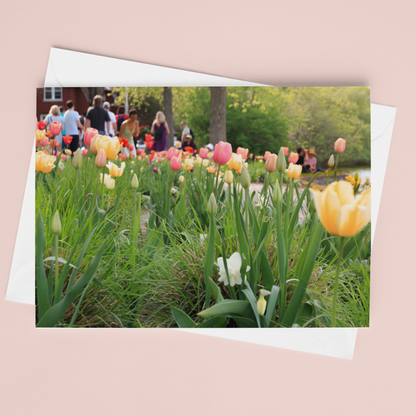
(111, 146)
(109, 182)
(261, 304)
(205, 163)
(44, 163)
(340, 213)
(114, 170)
(294, 171)
(229, 176)
(212, 169)
(40, 135)
(235, 163)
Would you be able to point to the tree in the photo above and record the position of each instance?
(167, 101)
(217, 125)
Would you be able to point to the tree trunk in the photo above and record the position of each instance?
(167, 101)
(217, 125)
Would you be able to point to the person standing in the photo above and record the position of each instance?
(97, 117)
(72, 125)
(186, 130)
(121, 116)
(55, 115)
(130, 129)
(113, 122)
(160, 131)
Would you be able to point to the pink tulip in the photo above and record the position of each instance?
(285, 150)
(222, 153)
(44, 142)
(139, 151)
(175, 163)
(100, 159)
(243, 152)
(89, 134)
(148, 163)
(63, 157)
(266, 155)
(154, 169)
(293, 157)
(159, 159)
(55, 128)
(131, 147)
(271, 163)
(122, 156)
(172, 153)
(85, 152)
(339, 146)
(203, 152)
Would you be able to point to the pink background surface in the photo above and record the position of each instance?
(129, 372)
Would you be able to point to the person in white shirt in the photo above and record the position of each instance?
(113, 121)
(185, 131)
(72, 125)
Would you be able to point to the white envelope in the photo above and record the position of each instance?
(75, 69)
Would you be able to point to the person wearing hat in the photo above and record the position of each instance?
(311, 162)
(210, 146)
(189, 142)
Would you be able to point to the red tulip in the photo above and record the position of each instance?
(67, 139)
(175, 163)
(44, 142)
(131, 147)
(222, 153)
(49, 134)
(149, 145)
(339, 145)
(285, 150)
(139, 152)
(55, 128)
(203, 152)
(151, 157)
(88, 136)
(172, 152)
(293, 157)
(41, 125)
(148, 137)
(122, 156)
(243, 152)
(85, 152)
(271, 163)
(52, 143)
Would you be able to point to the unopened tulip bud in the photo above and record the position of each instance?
(205, 163)
(212, 205)
(77, 159)
(356, 176)
(277, 193)
(339, 145)
(134, 182)
(56, 223)
(245, 178)
(228, 176)
(281, 161)
(181, 179)
(331, 161)
(101, 159)
(271, 163)
(261, 304)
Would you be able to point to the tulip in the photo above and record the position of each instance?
(56, 223)
(285, 150)
(261, 304)
(203, 152)
(212, 205)
(172, 153)
(154, 169)
(212, 169)
(175, 163)
(122, 156)
(93, 146)
(114, 170)
(40, 135)
(89, 135)
(181, 178)
(277, 193)
(111, 145)
(271, 163)
(44, 142)
(205, 163)
(134, 182)
(55, 128)
(243, 152)
(84, 152)
(49, 134)
(251, 156)
(188, 165)
(131, 147)
(331, 161)
(159, 159)
(67, 139)
(210, 155)
(63, 157)
(222, 153)
(339, 146)
(100, 159)
(41, 125)
(43, 162)
(266, 155)
(109, 182)
(245, 178)
(233, 266)
(293, 157)
(235, 163)
(281, 161)
(229, 176)
(198, 161)
(77, 159)
(294, 171)
(53, 143)
(68, 152)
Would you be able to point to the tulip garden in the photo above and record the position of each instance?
(176, 239)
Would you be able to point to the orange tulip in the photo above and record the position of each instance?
(293, 157)
(243, 152)
(266, 155)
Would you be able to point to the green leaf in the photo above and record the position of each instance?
(305, 314)
(209, 258)
(253, 302)
(182, 319)
(216, 322)
(227, 306)
(271, 304)
(216, 292)
(41, 282)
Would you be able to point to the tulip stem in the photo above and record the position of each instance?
(102, 188)
(216, 181)
(334, 301)
(336, 168)
(55, 250)
(86, 172)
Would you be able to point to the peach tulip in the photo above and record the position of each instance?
(339, 146)
(43, 162)
(266, 155)
(271, 163)
(88, 136)
(285, 150)
(203, 152)
(293, 157)
(44, 142)
(243, 152)
(175, 163)
(55, 128)
(222, 153)
(122, 156)
(172, 153)
(100, 159)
